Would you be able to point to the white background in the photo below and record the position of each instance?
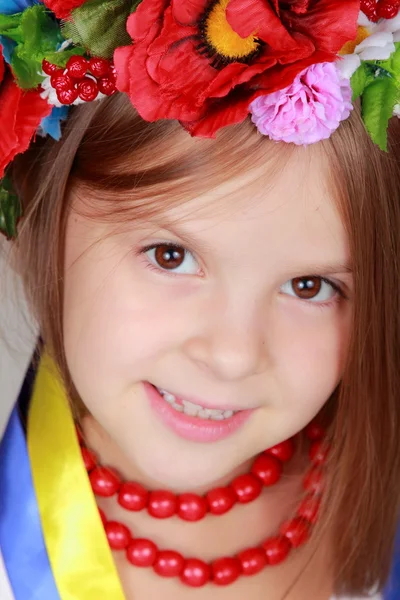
(17, 336)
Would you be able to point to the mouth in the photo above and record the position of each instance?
(191, 420)
(195, 410)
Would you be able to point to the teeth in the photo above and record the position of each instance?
(195, 410)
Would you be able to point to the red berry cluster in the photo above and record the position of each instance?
(82, 78)
(380, 9)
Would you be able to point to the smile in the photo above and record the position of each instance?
(195, 410)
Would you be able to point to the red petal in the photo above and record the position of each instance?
(188, 12)
(220, 114)
(21, 114)
(62, 8)
(327, 23)
(145, 19)
(259, 17)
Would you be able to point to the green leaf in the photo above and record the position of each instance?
(61, 58)
(359, 81)
(100, 25)
(378, 101)
(10, 26)
(392, 64)
(10, 209)
(39, 35)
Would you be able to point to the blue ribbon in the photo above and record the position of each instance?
(21, 538)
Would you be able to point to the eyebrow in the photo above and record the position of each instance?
(327, 268)
(188, 239)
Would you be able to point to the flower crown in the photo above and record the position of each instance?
(296, 66)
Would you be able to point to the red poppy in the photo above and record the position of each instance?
(62, 8)
(20, 115)
(203, 62)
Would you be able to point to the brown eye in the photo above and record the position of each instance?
(169, 257)
(312, 288)
(307, 288)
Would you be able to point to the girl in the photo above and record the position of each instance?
(214, 396)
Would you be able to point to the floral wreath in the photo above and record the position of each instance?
(296, 66)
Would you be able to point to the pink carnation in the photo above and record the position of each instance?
(308, 110)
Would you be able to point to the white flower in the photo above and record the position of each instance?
(379, 45)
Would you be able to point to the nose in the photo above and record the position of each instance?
(230, 345)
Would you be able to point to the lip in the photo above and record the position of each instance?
(193, 428)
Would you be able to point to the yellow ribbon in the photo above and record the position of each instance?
(77, 546)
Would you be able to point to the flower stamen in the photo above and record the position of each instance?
(220, 42)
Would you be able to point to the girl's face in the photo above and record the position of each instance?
(235, 301)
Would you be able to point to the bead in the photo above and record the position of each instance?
(309, 508)
(267, 469)
(77, 67)
(141, 552)
(296, 531)
(67, 96)
(220, 500)
(117, 534)
(313, 481)
(89, 459)
(168, 563)
(59, 81)
(88, 89)
(225, 570)
(48, 67)
(318, 453)
(252, 560)
(100, 67)
(133, 496)
(102, 517)
(276, 549)
(314, 431)
(162, 504)
(191, 507)
(246, 487)
(107, 86)
(196, 573)
(104, 481)
(283, 451)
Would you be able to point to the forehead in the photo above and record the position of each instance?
(290, 206)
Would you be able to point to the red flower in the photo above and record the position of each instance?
(62, 8)
(203, 62)
(20, 116)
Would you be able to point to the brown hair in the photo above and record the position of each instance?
(131, 166)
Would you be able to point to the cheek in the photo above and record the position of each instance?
(116, 325)
(310, 354)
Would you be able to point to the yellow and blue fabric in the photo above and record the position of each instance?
(51, 536)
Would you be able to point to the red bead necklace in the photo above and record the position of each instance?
(266, 470)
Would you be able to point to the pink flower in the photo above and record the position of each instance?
(308, 110)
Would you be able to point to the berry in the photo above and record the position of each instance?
(100, 67)
(59, 81)
(67, 96)
(88, 89)
(48, 67)
(77, 67)
(107, 86)
(388, 9)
